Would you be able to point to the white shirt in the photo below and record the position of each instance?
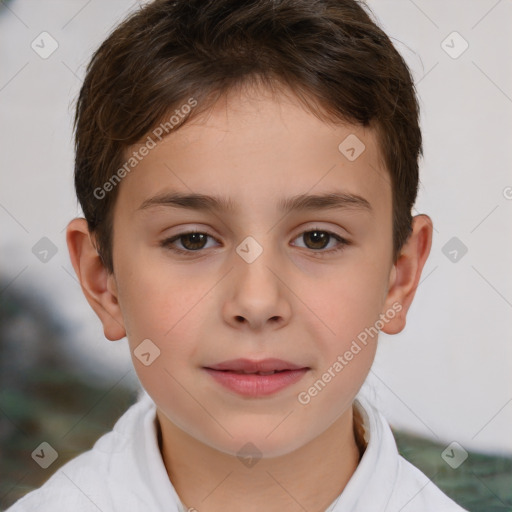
(124, 472)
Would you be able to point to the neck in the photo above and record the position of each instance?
(309, 478)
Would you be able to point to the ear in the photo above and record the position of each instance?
(98, 285)
(406, 272)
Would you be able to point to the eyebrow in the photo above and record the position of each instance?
(301, 202)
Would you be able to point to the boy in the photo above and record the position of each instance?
(247, 172)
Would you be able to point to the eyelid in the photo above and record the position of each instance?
(342, 242)
(315, 226)
(167, 243)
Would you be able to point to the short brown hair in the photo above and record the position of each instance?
(327, 51)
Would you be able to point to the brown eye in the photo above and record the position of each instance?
(190, 242)
(316, 239)
(193, 241)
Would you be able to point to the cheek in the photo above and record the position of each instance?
(164, 304)
(160, 308)
(348, 302)
(347, 308)
(153, 295)
(345, 348)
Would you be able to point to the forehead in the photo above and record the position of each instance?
(255, 148)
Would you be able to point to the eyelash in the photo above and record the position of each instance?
(342, 242)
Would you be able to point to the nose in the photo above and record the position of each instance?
(258, 296)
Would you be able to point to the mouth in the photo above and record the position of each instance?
(252, 373)
(256, 378)
(252, 366)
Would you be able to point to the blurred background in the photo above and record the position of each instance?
(445, 379)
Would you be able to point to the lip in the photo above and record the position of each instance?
(250, 365)
(252, 384)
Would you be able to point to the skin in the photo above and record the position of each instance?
(292, 303)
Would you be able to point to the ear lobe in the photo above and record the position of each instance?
(97, 284)
(406, 272)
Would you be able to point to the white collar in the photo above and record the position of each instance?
(372, 483)
(383, 481)
(379, 464)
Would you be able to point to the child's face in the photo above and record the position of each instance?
(299, 300)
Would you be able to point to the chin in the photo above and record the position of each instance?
(256, 442)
